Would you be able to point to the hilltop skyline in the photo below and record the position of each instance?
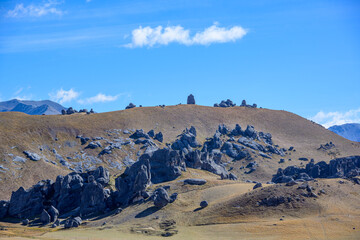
(289, 55)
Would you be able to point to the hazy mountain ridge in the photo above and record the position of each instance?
(349, 131)
(46, 107)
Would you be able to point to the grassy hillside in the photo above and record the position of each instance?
(19, 132)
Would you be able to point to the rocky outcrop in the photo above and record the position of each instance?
(337, 168)
(191, 99)
(159, 136)
(139, 133)
(93, 198)
(131, 105)
(225, 104)
(32, 156)
(194, 181)
(187, 141)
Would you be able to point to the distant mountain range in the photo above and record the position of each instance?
(350, 131)
(46, 107)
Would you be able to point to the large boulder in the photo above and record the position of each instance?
(191, 99)
(92, 198)
(131, 185)
(250, 132)
(73, 222)
(194, 181)
(161, 198)
(139, 133)
(68, 191)
(29, 203)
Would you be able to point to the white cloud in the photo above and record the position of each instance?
(19, 91)
(337, 118)
(32, 10)
(63, 96)
(150, 37)
(99, 98)
(25, 97)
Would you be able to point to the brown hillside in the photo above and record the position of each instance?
(19, 132)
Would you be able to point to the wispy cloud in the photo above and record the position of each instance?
(47, 7)
(337, 118)
(17, 92)
(63, 96)
(99, 98)
(25, 97)
(147, 36)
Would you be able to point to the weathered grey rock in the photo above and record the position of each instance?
(187, 140)
(131, 105)
(203, 204)
(161, 198)
(337, 168)
(54, 213)
(29, 203)
(159, 136)
(92, 198)
(223, 129)
(257, 185)
(250, 132)
(45, 217)
(273, 201)
(151, 133)
(191, 99)
(194, 181)
(73, 222)
(4, 207)
(32, 156)
(139, 133)
(94, 145)
(132, 184)
(237, 131)
(84, 140)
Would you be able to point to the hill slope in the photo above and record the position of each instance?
(46, 107)
(53, 138)
(349, 131)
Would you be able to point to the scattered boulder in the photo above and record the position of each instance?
(223, 129)
(161, 198)
(84, 140)
(73, 222)
(32, 156)
(191, 99)
(193, 181)
(257, 185)
(94, 145)
(203, 204)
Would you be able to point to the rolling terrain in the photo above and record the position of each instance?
(235, 210)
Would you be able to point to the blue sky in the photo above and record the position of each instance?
(299, 56)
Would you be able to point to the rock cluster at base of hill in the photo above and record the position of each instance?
(346, 167)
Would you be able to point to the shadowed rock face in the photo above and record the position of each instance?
(191, 99)
(337, 168)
